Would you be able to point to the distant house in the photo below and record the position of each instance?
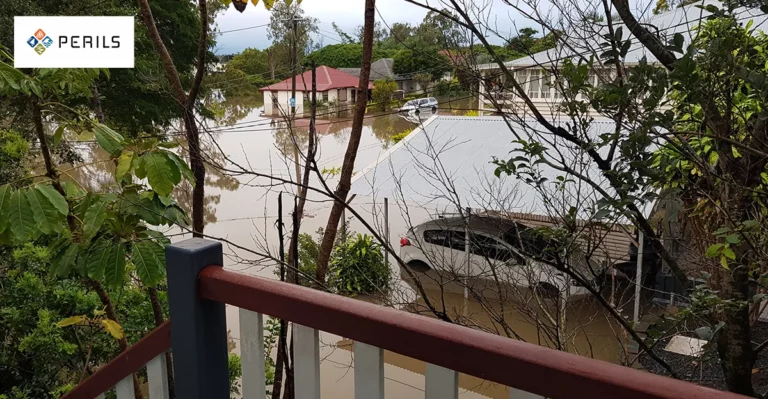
(384, 68)
(332, 85)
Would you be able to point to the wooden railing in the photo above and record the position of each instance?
(199, 288)
(118, 373)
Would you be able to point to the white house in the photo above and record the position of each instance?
(332, 84)
(536, 72)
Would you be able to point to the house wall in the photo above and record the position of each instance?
(539, 85)
(284, 101)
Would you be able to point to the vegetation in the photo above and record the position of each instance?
(430, 62)
(396, 138)
(357, 264)
(384, 93)
(343, 55)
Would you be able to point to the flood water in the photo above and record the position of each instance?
(243, 210)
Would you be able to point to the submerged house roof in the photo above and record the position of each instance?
(585, 40)
(327, 79)
(448, 161)
(383, 68)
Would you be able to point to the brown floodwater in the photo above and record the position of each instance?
(243, 211)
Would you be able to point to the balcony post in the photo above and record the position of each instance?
(198, 326)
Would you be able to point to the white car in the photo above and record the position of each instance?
(419, 104)
(440, 245)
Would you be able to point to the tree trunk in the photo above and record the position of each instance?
(348, 166)
(734, 343)
(187, 102)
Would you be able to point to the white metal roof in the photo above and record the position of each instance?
(447, 162)
(586, 40)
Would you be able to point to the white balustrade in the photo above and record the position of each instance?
(369, 371)
(306, 369)
(441, 383)
(252, 354)
(157, 375)
(124, 388)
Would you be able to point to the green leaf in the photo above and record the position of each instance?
(735, 152)
(724, 262)
(5, 206)
(183, 167)
(123, 165)
(98, 255)
(149, 258)
(58, 200)
(21, 219)
(95, 216)
(57, 135)
(268, 4)
(70, 321)
(47, 217)
(108, 139)
(713, 250)
(160, 172)
(114, 269)
(733, 238)
(65, 261)
(728, 253)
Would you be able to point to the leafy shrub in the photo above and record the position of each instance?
(358, 267)
(400, 136)
(472, 113)
(384, 93)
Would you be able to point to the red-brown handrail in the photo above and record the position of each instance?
(528, 367)
(125, 364)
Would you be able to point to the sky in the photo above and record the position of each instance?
(347, 14)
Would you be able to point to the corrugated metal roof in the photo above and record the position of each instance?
(448, 161)
(586, 40)
(327, 79)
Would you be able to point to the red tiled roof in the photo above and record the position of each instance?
(327, 79)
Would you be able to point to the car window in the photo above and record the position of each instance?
(432, 100)
(489, 248)
(446, 238)
(423, 102)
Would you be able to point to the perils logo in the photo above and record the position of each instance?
(40, 41)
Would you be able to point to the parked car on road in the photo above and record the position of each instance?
(494, 252)
(419, 104)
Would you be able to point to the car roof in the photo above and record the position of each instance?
(487, 224)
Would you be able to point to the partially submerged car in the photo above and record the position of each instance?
(496, 251)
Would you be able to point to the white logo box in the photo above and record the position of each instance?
(73, 42)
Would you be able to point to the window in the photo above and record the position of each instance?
(354, 95)
(445, 238)
(274, 98)
(534, 81)
(489, 248)
(546, 84)
(325, 96)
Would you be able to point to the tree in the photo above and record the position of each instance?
(250, 61)
(345, 38)
(411, 62)
(329, 235)
(133, 101)
(187, 102)
(384, 92)
(341, 56)
(280, 31)
(424, 80)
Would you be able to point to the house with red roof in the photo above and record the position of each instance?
(333, 85)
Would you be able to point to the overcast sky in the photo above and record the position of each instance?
(347, 14)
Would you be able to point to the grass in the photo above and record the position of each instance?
(400, 136)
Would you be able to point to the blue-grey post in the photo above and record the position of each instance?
(198, 326)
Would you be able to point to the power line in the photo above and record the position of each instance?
(242, 29)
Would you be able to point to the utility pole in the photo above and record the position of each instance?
(295, 23)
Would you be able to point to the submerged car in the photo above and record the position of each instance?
(419, 104)
(495, 253)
